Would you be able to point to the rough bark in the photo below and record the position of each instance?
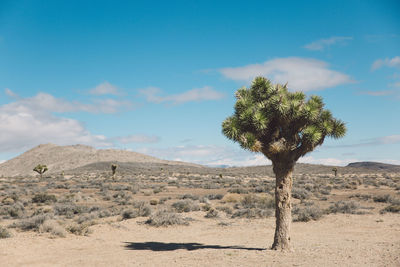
(283, 189)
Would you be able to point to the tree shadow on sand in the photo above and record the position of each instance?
(160, 246)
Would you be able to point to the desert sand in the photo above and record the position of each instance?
(345, 240)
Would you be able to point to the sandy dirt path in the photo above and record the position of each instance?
(344, 240)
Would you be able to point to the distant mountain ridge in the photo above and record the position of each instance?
(82, 159)
(375, 166)
(63, 158)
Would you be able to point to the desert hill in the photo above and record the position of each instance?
(79, 159)
(157, 169)
(64, 158)
(375, 166)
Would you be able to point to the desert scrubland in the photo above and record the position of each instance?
(161, 214)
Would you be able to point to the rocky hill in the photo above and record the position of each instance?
(78, 159)
(64, 158)
(375, 166)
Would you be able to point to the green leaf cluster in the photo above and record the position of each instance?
(40, 169)
(268, 118)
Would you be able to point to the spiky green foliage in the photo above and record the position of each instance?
(280, 124)
(40, 168)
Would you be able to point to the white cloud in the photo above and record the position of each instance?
(104, 88)
(323, 43)
(326, 161)
(384, 140)
(152, 94)
(48, 103)
(390, 139)
(250, 160)
(23, 128)
(301, 73)
(10, 93)
(373, 38)
(210, 155)
(390, 161)
(2, 161)
(395, 84)
(189, 153)
(379, 93)
(107, 106)
(27, 122)
(138, 139)
(387, 62)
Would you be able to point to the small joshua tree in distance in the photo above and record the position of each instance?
(113, 169)
(335, 171)
(40, 168)
(284, 126)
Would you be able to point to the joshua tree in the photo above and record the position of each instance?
(40, 169)
(335, 171)
(113, 169)
(284, 126)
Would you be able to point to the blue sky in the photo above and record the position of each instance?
(159, 77)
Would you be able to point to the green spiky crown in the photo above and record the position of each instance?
(40, 168)
(270, 119)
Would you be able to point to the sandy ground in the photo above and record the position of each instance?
(345, 240)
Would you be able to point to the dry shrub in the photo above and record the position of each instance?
(212, 213)
(239, 190)
(214, 196)
(364, 197)
(32, 223)
(8, 201)
(254, 201)
(139, 209)
(79, 229)
(4, 233)
(154, 201)
(226, 209)
(252, 213)
(391, 208)
(44, 198)
(16, 210)
(186, 205)
(383, 199)
(189, 196)
(129, 214)
(69, 209)
(52, 227)
(87, 218)
(143, 208)
(308, 213)
(165, 217)
(348, 207)
(103, 213)
(253, 206)
(300, 193)
(224, 224)
(231, 198)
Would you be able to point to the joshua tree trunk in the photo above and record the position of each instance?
(283, 208)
